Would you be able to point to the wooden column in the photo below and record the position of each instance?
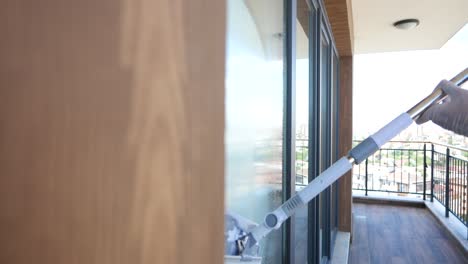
(111, 131)
(346, 141)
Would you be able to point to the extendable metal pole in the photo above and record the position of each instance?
(357, 155)
(436, 96)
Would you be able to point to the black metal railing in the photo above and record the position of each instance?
(397, 168)
(302, 162)
(424, 169)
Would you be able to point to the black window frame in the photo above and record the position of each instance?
(318, 25)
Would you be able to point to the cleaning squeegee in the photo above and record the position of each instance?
(359, 153)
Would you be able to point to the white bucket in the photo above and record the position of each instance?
(237, 260)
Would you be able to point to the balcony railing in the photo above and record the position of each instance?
(425, 169)
(417, 168)
(302, 162)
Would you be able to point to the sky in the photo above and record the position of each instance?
(388, 84)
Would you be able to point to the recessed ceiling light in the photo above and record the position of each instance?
(406, 24)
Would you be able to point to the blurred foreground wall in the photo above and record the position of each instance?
(111, 131)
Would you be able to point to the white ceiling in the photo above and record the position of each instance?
(374, 32)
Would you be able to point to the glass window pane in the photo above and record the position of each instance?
(324, 138)
(302, 125)
(333, 145)
(254, 114)
(324, 104)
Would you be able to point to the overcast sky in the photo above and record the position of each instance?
(387, 84)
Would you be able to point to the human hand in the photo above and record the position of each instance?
(452, 113)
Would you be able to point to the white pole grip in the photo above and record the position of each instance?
(276, 218)
(392, 129)
(325, 179)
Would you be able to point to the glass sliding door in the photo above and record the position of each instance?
(254, 114)
(281, 121)
(302, 125)
(323, 130)
(324, 138)
(334, 143)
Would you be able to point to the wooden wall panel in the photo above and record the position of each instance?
(341, 21)
(111, 131)
(303, 15)
(346, 141)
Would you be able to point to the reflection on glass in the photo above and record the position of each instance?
(254, 114)
(333, 145)
(302, 126)
(324, 138)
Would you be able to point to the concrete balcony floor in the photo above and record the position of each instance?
(400, 234)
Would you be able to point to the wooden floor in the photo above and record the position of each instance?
(400, 234)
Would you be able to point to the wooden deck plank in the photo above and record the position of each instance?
(400, 234)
